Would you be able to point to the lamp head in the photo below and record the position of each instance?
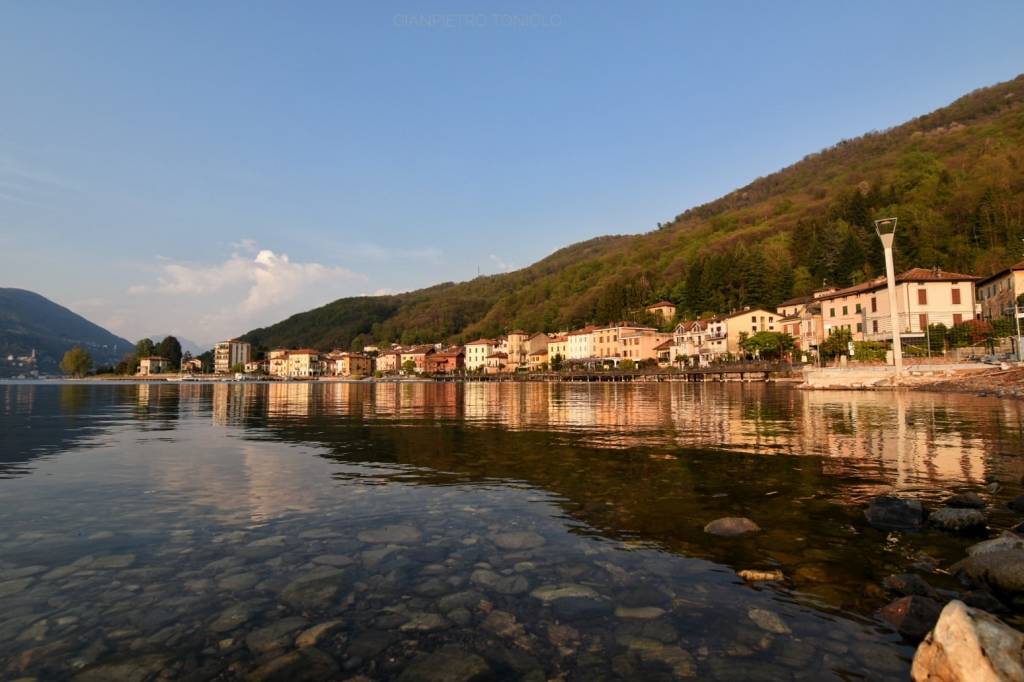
(885, 226)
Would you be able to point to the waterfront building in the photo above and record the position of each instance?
(303, 363)
(277, 363)
(997, 294)
(666, 310)
(418, 355)
(477, 353)
(558, 345)
(516, 348)
(639, 345)
(388, 361)
(449, 361)
(228, 354)
(580, 344)
(607, 344)
(924, 296)
(153, 364)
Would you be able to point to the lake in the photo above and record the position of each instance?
(424, 531)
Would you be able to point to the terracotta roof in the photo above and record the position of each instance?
(580, 332)
(797, 301)
(558, 338)
(911, 275)
(664, 345)
(661, 304)
(416, 350)
(1019, 265)
(303, 351)
(482, 342)
(499, 354)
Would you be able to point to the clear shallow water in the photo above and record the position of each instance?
(521, 531)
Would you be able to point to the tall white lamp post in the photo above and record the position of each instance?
(886, 230)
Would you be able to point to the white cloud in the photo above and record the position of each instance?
(501, 265)
(208, 301)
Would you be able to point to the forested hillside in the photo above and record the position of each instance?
(30, 322)
(954, 177)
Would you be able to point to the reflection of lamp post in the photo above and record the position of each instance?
(886, 230)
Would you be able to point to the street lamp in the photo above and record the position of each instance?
(886, 231)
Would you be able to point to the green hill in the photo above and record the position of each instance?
(954, 177)
(30, 322)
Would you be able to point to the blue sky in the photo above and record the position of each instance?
(203, 168)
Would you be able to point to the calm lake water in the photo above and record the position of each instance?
(472, 531)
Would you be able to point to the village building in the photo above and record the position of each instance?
(607, 345)
(666, 310)
(924, 296)
(153, 364)
(997, 294)
(301, 363)
(558, 346)
(450, 361)
(537, 360)
(349, 365)
(191, 365)
(257, 367)
(664, 352)
(388, 361)
(418, 356)
(639, 345)
(497, 362)
(516, 348)
(580, 343)
(277, 363)
(229, 354)
(477, 353)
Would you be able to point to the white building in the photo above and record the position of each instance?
(477, 352)
(227, 354)
(580, 344)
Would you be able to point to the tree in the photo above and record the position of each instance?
(170, 348)
(837, 343)
(627, 365)
(771, 345)
(409, 367)
(680, 360)
(76, 362)
(144, 348)
(556, 362)
(238, 368)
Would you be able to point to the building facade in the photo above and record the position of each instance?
(477, 352)
(997, 294)
(228, 354)
(153, 364)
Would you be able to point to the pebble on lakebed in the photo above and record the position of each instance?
(730, 526)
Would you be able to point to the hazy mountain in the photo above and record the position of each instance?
(30, 322)
(954, 178)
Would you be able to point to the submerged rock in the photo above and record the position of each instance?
(397, 534)
(314, 589)
(549, 593)
(277, 635)
(1017, 504)
(512, 584)
(968, 645)
(1001, 569)
(318, 632)
(968, 500)
(911, 616)
(768, 620)
(1005, 541)
(301, 665)
(518, 540)
(958, 520)
(909, 584)
(730, 526)
(449, 664)
(130, 670)
(887, 512)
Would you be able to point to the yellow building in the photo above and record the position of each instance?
(997, 294)
(666, 310)
(303, 363)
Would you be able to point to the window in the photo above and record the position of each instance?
(846, 310)
(922, 320)
(956, 297)
(874, 326)
(874, 304)
(856, 309)
(860, 326)
(957, 317)
(922, 297)
(831, 312)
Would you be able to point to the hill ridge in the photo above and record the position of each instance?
(953, 176)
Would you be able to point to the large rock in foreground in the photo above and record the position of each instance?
(968, 645)
(731, 526)
(895, 513)
(1002, 570)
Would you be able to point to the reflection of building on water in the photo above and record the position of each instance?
(911, 437)
(289, 399)
(19, 399)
